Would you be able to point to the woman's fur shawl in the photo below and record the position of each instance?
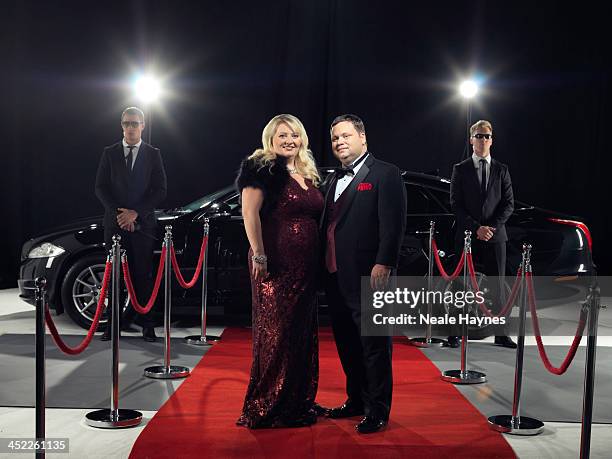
(270, 179)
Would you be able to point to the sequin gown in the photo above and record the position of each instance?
(285, 369)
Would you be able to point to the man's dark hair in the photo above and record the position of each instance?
(354, 119)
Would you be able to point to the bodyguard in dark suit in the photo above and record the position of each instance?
(482, 199)
(130, 183)
(363, 225)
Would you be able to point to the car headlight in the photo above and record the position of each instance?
(46, 250)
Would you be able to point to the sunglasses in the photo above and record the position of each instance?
(483, 136)
(130, 124)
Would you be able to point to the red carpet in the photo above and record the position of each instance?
(429, 418)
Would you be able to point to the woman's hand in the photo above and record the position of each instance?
(252, 200)
(260, 269)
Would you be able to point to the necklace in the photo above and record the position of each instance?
(292, 171)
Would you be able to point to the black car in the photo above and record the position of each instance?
(72, 257)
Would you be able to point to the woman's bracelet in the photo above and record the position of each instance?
(259, 259)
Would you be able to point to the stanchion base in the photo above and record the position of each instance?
(424, 342)
(103, 419)
(469, 377)
(172, 372)
(527, 426)
(198, 340)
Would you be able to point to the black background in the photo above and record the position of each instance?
(230, 66)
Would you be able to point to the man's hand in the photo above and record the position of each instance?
(379, 277)
(484, 233)
(126, 219)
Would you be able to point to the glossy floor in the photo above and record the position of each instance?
(558, 441)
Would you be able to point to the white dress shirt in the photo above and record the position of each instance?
(126, 151)
(476, 160)
(345, 181)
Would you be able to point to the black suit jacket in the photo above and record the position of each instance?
(371, 225)
(114, 185)
(471, 210)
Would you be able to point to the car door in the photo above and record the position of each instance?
(423, 207)
(230, 284)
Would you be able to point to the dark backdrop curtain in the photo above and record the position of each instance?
(231, 66)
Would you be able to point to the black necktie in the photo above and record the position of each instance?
(483, 177)
(129, 158)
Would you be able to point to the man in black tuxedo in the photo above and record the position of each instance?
(130, 183)
(363, 227)
(482, 199)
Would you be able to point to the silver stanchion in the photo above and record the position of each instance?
(589, 371)
(40, 295)
(428, 341)
(516, 424)
(167, 371)
(114, 418)
(203, 339)
(465, 376)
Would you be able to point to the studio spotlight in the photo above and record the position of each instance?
(147, 89)
(468, 89)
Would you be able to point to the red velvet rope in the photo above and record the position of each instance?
(447, 278)
(513, 293)
(177, 269)
(536, 327)
(128, 283)
(94, 325)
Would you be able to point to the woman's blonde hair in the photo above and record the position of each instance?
(304, 161)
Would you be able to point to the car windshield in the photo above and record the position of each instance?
(206, 200)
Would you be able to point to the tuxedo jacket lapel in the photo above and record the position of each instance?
(493, 176)
(351, 190)
(330, 187)
(119, 158)
(140, 157)
(472, 172)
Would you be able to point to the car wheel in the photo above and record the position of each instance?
(81, 289)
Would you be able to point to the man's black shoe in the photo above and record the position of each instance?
(106, 336)
(319, 410)
(453, 341)
(371, 424)
(505, 341)
(148, 334)
(345, 411)
(305, 421)
(128, 328)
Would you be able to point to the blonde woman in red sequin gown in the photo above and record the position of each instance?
(281, 205)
